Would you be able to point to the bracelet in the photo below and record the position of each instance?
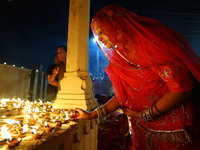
(154, 104)
(97, 115)
(147, 114)
(105, 109)
(151, 113)
(142, 116)
(101, 111)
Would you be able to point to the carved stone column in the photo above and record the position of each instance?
(76, 86)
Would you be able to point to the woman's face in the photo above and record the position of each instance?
(101, 36)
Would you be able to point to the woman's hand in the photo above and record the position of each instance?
(131, 113)
(81, 114)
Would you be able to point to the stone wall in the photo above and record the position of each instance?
(14, 81)
(82, 136)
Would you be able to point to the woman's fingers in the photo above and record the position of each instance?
(75, 114)
(80, 113)
(131, 113)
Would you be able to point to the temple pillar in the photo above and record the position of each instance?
(76, 86)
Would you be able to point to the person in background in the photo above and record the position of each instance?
(106, 86)
(56, 72)
(153, 70)
(62, 52)
(113, 130)
(52, 76)
(96, 84)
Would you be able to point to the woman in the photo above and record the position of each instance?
(151, 68)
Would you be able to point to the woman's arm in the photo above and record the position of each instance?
(168, 102)
(111, 106)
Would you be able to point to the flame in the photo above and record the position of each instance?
(41, 103)
(46, 125)
(29, 109)
(67, 116)
(48, 102)
(40, 121)
(11, 121)
(33, 131)
(36, 109)
(19, 100)
(35, 117)
(25, 128)
(71, 113)
(17, 105)
(3, 101)
(5, 133)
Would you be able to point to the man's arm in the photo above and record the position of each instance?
(52, 80)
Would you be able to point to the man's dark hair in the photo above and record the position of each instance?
(62, 46)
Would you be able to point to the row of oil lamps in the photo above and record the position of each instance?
(23, 118)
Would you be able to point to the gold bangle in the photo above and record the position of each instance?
(97, 114)
(104, 110)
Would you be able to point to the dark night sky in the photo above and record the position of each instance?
(30, 30)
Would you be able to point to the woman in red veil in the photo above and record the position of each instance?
(153, 70)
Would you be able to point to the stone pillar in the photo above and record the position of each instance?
(76, 86)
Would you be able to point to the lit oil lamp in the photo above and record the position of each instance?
(24, 131)
(37, 118)
(13, 142)
(66, 120)
(48, 128)
(41, 115)
(36, 110)
(47, 114)
(36, 134)
(58, 125)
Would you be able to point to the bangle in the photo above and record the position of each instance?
(105, 110)
(154, 104)
(101, 111)
(98, 115)
(147, 115)
(151, 112)
(142, 116)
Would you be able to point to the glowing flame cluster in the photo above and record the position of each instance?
(31, 111)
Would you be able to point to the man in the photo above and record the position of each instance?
(52, 76)
(61, 51)
(55, 72)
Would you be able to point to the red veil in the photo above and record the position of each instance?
(143, 41)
